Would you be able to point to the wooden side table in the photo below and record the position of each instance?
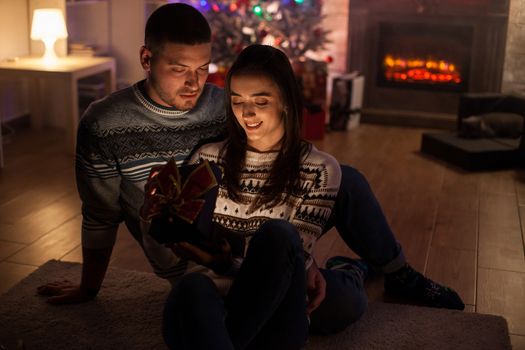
(68, 70)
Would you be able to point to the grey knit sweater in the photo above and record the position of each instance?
(119, 139)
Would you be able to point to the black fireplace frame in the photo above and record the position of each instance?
(423, 107)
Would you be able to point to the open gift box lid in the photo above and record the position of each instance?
(179, 201)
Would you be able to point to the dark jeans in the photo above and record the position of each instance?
(242, 323)
(345, 302)
(361, 223)
(264, 309)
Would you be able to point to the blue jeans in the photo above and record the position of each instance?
(361, 223)
(264, 309)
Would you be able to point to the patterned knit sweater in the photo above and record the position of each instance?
(309, 210)
(119, 139)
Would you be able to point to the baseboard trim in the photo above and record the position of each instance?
(409, 118)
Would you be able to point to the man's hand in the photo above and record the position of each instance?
(64, 292)
(95, 263)
(214, 255)
(315, 287)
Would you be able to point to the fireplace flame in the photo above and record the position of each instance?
(431, 71)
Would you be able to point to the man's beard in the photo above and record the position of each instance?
(183, 105)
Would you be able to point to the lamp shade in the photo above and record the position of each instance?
(48, 23)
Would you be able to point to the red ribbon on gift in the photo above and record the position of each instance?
(165, 191)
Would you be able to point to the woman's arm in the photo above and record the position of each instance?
(317, 201)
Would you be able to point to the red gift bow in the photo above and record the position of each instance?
(164, 192)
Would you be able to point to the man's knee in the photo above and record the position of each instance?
(342, 315)
(344, 304)
(351, 178)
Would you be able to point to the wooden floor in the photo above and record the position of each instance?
(463, 229)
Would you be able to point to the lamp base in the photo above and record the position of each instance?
(49, 56)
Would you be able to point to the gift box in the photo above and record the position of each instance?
(346, 101)
(313, 122)
(179, 202)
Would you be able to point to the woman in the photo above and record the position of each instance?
(276, 196)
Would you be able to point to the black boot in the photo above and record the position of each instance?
(407, 283)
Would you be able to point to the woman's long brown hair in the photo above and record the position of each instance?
(284, 175)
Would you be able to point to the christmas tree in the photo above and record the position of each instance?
(294, 26)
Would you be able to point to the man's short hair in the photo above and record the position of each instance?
(176, 23)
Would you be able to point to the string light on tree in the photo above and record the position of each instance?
(295, 26)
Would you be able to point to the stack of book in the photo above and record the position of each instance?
(82, 49)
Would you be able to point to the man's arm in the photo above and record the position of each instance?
(98, 184)
(310, 218)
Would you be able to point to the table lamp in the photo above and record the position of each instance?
(48, 26)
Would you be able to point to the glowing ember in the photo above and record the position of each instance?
(420, 71)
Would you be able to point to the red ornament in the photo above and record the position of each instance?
(329, 59)
(241, 3)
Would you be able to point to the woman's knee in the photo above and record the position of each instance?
(278, 233)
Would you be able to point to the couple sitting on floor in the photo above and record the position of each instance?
(277, 196)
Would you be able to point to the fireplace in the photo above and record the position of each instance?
(419, 56)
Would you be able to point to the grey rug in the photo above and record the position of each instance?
(127, 314)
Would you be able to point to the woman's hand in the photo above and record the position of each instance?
(315, 287)
(214, 255)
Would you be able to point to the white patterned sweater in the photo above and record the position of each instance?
(308, 211)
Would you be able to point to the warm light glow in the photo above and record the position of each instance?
(48, 26)
(213, 68)
(419, 70)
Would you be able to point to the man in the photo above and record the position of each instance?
(169, 114)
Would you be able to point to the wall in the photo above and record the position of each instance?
(514, 69)
(14, 38)
(116, 28)
(336, 20)
(93, 15)
(127, 18)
